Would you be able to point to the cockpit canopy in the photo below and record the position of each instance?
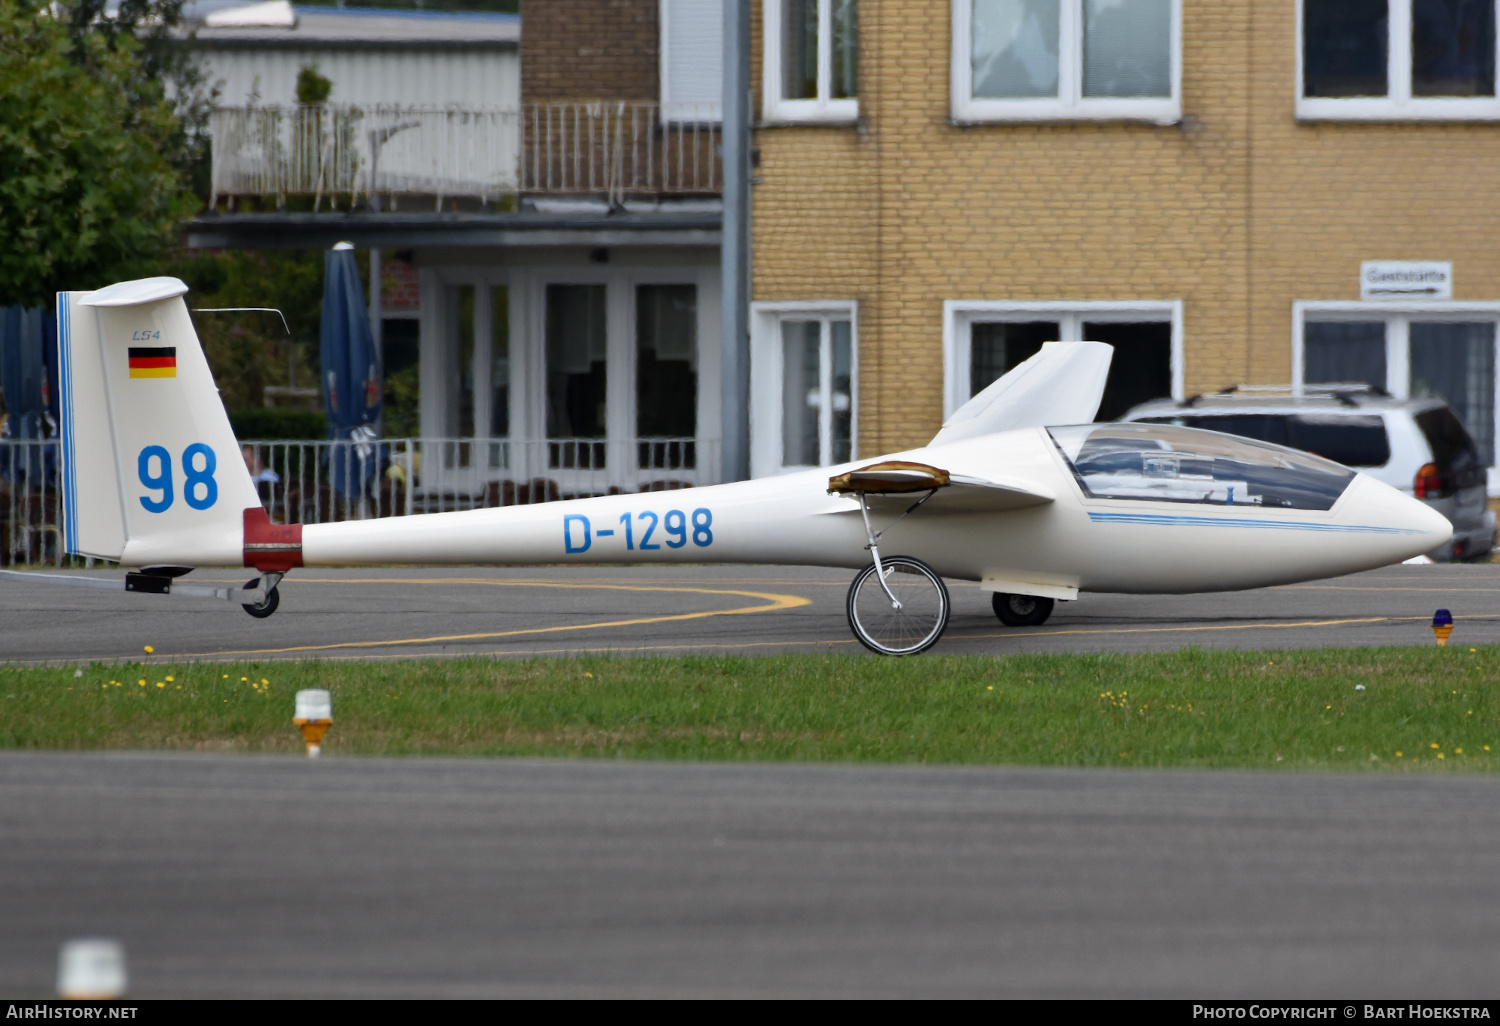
(1164, 463)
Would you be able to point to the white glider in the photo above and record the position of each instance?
(1034, 511)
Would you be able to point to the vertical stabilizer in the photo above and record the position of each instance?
(1062, 384)
(152, 473)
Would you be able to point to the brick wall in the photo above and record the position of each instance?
(589, 49)
(1237, 211)
(400, 286)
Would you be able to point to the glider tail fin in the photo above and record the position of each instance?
(151, 472)
(1062, 384)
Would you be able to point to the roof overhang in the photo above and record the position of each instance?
(400, 231)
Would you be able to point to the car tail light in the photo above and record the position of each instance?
(1429, 483)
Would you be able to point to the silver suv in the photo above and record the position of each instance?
(1417, 445)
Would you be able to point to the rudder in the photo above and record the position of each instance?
(152, 473)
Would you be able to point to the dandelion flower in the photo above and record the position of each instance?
(588, 674)
(264, 681)
(149, 650)
(1434, 745)
(170, 679)
(1440, 755)
(142, 683)
(1458, 751)
(1473, 650)
(243, 679)
(1398, 755)
(226, 676)
(992, 687)
(160, 684)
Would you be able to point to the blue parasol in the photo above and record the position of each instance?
(351, 373)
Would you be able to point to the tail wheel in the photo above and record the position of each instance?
(914, 626)
(266, 608)
(1021, 610)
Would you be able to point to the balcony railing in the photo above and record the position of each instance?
(324, 482)
(344, 154)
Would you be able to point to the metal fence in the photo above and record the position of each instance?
(324, 482)
(617, 149)
(342, 152)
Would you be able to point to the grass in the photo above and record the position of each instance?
(1425, 709)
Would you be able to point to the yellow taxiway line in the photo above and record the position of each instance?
(773, 602)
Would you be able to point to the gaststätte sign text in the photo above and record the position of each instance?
(1406, 279)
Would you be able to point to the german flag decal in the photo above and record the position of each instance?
(153, 362)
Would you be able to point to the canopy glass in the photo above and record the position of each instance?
(1165, 463)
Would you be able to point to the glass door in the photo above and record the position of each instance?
(817, 392)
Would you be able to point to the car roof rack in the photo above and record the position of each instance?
(1342, 391)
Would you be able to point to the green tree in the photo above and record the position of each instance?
(164, 67)
(87, 190)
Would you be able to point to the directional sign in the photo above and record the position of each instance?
(1405, 279)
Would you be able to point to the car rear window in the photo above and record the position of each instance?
(1452, 448)
(1354, 441)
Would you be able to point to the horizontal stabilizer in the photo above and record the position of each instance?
(1062, 384)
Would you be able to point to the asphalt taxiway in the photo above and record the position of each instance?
(384, 613)
(243, 876)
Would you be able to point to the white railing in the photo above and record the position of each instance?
(342, 152)
(30, 503)
(323, 482)
(319, 482)
(617, 149)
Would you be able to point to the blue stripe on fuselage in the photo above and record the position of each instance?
(1168, 520)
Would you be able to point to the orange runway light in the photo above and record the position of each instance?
(313, 716)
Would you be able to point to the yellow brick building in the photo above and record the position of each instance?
(1205, 185)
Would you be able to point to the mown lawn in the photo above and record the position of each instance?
(1421, 708)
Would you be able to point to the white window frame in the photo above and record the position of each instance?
(960, 316)
(676, 111)
(1398, 316)
(766, 377)
(1070, 104)
(1398, 104)
(821, 110)
(528, 359)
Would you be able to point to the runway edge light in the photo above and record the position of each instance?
(313, 716)
(1442, 626)
(91, 969)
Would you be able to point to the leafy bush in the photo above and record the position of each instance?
(261, 424)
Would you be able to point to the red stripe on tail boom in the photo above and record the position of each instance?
(271, 548)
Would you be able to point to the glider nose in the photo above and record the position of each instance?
(1411, 526)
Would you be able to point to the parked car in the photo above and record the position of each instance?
(1417, 445)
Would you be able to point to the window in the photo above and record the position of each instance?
(811, 60)
(477, 384)
(1023, 60)
(1163, 463)
(1353, 440)
(1397, 59)
(803, 368)
(577, 374)
(985, 339)
(692, 60)
(1432, 350)
(666, 374)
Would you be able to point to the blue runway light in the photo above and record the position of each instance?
(1442, 618)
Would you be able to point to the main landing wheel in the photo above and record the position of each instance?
(266, 608)
(914, 627)
(1021, 610)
